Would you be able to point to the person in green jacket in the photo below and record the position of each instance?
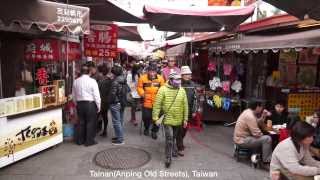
(171, 99)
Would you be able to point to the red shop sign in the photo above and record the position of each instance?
(42, 76)
(74, 51)
(102, 41)
(42, 50)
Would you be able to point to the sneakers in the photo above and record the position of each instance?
(117, 142)
(154, 135)
(180, 153)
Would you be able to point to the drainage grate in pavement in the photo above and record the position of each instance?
(122, 158)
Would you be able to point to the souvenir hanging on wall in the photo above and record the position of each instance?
(240, 69)
(226, 86)
(215, 83)
(227, 68)
(236, 86)
(217, 101)
(212, 66)
(210, 103)
(226, 104)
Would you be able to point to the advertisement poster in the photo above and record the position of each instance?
(24, 136)
(308, 56)
(288, 74)
(102, 41)
(307, 75)
(288, 57)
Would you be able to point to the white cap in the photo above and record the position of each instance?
(185, 70)
(174, 75)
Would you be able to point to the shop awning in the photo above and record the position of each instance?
(178, 50)
(108, 10)
(298, 8)
(45, 15)
(197, 19)
(129, 33)
(247, 43)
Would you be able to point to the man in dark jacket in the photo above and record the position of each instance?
(190, 88)
(105, 87)
(116, 102)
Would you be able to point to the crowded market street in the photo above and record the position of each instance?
(208, 151)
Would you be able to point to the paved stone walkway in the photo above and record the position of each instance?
(208, 152)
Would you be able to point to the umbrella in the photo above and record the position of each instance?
(107, 10)
(298, 8)
(197, 19)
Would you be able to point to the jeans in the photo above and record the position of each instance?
(264, 142)
(117, 120)
(171, 133)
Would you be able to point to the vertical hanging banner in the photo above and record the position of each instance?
(102, 41)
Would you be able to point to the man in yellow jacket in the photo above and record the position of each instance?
(148, 86)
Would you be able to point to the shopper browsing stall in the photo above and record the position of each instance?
(86, 94)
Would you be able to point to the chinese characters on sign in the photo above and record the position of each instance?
(42, 50)
(66, 15)
(42, 76)
(50, 50)
(73, 51)
(102, 41)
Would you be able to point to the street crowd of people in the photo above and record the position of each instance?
(167, 97)
(164, 93)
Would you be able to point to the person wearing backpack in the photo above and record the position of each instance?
(171, 99)
(117, 101)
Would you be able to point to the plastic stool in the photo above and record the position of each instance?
(240, 152)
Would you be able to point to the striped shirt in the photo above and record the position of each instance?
(86, 89)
